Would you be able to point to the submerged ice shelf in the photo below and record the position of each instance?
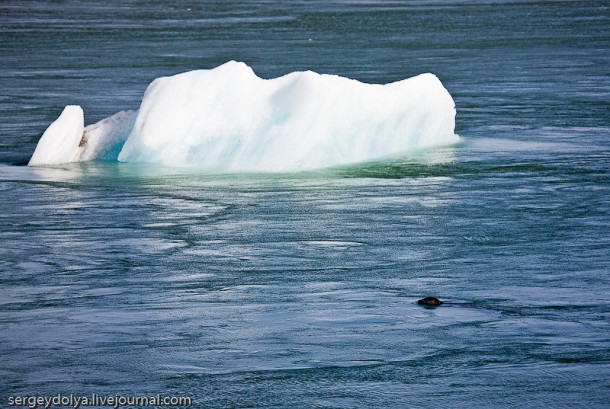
(229, 119)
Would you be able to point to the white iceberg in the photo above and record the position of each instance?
(229, 119)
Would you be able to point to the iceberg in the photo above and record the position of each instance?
(229, 119)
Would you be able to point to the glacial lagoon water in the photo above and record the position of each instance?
(300, 289)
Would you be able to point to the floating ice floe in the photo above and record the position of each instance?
(229, 119)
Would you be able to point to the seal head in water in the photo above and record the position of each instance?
(430, 301)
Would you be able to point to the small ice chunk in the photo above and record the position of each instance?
(59, 143)
(104, 139)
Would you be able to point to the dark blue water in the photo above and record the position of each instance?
(300, 290)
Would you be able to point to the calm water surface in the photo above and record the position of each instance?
(299, 290)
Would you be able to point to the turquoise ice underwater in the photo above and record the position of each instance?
(299, 289)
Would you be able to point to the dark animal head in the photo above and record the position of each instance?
(429, 301)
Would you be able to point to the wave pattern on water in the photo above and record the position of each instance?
(300, 289)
